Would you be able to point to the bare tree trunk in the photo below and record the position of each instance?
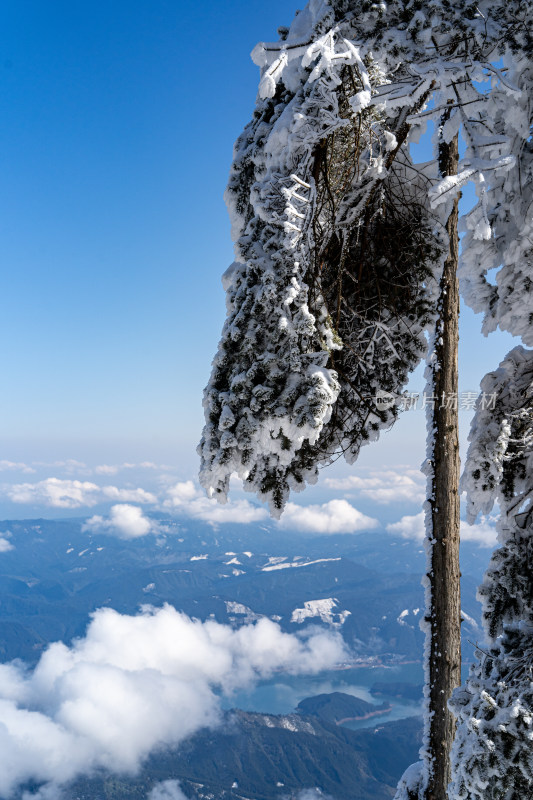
(443, 648)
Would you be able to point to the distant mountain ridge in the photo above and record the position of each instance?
(267, 757)
(56, 575)
(339, 707)
(366, 587)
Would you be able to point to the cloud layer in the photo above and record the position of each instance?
(65, 493)
(134, 683)
(412, 527)
(124, 521)
(384, 486)
(73, 466)
(186, 498)
(337, 516)
(15, 466)
(167, 790)
(183, 498)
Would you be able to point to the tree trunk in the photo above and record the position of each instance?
(443, 614)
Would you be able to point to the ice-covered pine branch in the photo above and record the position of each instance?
(492, 755)
(499, 469)
(337, 251)
(497, 268)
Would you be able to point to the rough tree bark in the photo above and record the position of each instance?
(444, 612)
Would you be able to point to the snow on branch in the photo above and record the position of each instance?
(499, 468)
(338, 252)
(492, 755)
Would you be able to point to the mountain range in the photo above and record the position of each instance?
(366, 586)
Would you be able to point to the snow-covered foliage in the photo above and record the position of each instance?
(497, 267)
(337, 250)
(413, 782)
(499, 468)
(339, 245)
(493, 751)
(492, 755)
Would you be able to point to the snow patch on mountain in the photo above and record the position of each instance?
(238, 609)
(289, 722)
(271, 567)
(322, 609)
(402, 617)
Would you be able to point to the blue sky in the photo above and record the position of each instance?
(118, 121)
(116, 140)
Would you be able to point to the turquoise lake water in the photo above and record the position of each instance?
(281, 694)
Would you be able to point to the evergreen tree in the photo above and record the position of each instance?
(492, 753)
(346, 260)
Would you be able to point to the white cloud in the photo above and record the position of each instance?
(410, 527)
(182, 493)
(112, 469)
(128, 495)
(60, 493)
(14, 466)
(124, 521)
(5, 544)
(69, 465)
(484, 533)
(384, 486)
(337, 516)
(133, 684)
(186, 498)
(240, 511)
(167, 790)
(413, 527)
(107, 469)
(55, 492)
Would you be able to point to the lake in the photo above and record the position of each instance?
(282, 693)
